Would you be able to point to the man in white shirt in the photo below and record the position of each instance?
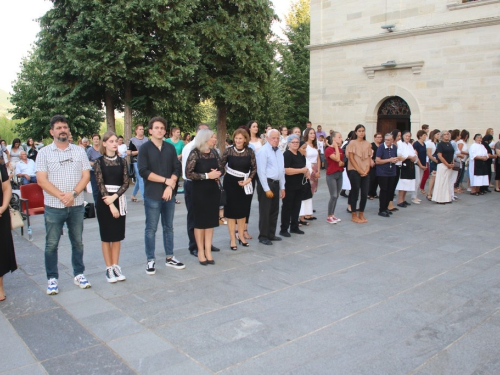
(26, 169)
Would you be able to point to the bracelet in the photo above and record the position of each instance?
(206, 176)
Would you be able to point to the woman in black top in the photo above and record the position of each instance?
(203, 167)
(241, 169)
(377, 141)
(295, 170)
(445, 154)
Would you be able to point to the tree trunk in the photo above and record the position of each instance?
(221, 127)
(110, 111)
(127, 122)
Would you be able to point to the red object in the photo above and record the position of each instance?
(32, 200)
(331, 165)
(424, 178)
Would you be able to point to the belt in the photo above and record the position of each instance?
(273, 181)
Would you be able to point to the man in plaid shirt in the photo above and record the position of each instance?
(63, 171)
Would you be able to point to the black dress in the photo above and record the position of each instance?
(7, 255)
(238, 203)
(206, 193)
(110, 171)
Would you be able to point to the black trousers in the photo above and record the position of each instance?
(188, 198)
(290, 209)
(268, 210)
(357, 183)
(386, 191)
(373, 182)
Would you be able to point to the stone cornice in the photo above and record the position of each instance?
(491, 21)
(416, 68)
(470, 4)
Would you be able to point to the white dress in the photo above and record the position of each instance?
(405, 150)
(477, 149)
(256, 145)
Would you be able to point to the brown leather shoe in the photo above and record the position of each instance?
(355, 218)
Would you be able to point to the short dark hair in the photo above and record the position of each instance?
(420, 133)
(96, 135)
(244, 134)
(455, 133)
(464, 135)
(57, 118)
(200, 125)
(157, 119)
(136, 126)
(425, 127)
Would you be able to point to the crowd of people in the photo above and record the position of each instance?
(279, 164)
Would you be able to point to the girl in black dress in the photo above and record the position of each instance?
(241, 170)
(203, 167)
(112, 181)
(7, 255)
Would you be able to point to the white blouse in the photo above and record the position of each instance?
(405, 150)
(311, 154)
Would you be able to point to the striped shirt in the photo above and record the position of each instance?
(64, 170)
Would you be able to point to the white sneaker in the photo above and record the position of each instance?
(174, 263)
(81, 281)
(118, 273)
(52, 287)
(150, 267)
(110, 275)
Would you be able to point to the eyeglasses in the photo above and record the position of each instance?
(296, 142)
(66, 161)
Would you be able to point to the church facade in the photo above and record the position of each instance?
(400, 64)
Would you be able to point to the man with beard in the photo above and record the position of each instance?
(63, 171)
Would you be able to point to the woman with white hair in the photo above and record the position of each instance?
(203, 167)
(295, 172)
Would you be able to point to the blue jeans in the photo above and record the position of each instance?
(95, 188)
(139, 184)
(154, 209)
(32, 180)
(54, 221)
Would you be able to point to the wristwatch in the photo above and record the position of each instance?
(75, 194)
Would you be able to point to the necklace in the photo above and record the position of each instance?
(110, 157)
(238, 151)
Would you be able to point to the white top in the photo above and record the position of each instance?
(311, 154)
(432, 146)
(465, 148)
(28, 168)
(122, 150)
(320, 147)
(256, 145)
(405, 150)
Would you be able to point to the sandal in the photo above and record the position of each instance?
(3, 299)
(429, 197)
(370, 197)
(304, 223)
(311, 218)
(246, 235)
(134, 199)
(222, 220)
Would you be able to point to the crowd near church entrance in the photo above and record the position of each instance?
(394, 113)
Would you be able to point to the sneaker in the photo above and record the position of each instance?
(150, 268)
(52, 288)
(174, 263)
(336, 219)
(110, 275)
(330, 220)
(82, 281)
(118, 273)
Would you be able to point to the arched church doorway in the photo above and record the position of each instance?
(394, 113)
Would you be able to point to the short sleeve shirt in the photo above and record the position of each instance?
(64, 170)
(179, 145)
(333, 166)
(446, 149)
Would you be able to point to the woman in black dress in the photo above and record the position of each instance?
(7, 255)
(203, 167)
(241, 168)
(112, 181)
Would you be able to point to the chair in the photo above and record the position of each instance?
(32, 201)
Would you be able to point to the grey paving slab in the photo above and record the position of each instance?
(94, 360)
(15, 354)
(35, 369)
(52, 333)
(111, 324)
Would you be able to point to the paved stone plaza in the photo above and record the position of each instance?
(418, 293)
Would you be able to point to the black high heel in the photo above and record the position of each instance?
(210, 261)
(234, 248)
(204, 263)
(246, 244)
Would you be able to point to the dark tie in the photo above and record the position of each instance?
(275, 149)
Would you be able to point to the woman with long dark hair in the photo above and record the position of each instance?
(310, 147)
(31, 149)
(359, 152)
(255, 139)
(111, 173)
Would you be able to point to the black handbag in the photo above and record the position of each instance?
(223, 196)
(407, 170)
(89, 211)
(131, 170)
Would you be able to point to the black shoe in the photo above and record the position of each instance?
(285, 234)
(408, 204)
(194, 252)
(275, 238)
(210, 261)
(388, 212)
(394, 209)
(204, 263)
(246, 244)
(265, 241)
(234, 248)
(383, 214)
(403, 205)
(311, 218)
(297, 231)
(215, 248)
(348, 210)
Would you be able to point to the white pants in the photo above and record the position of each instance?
(418, 178)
